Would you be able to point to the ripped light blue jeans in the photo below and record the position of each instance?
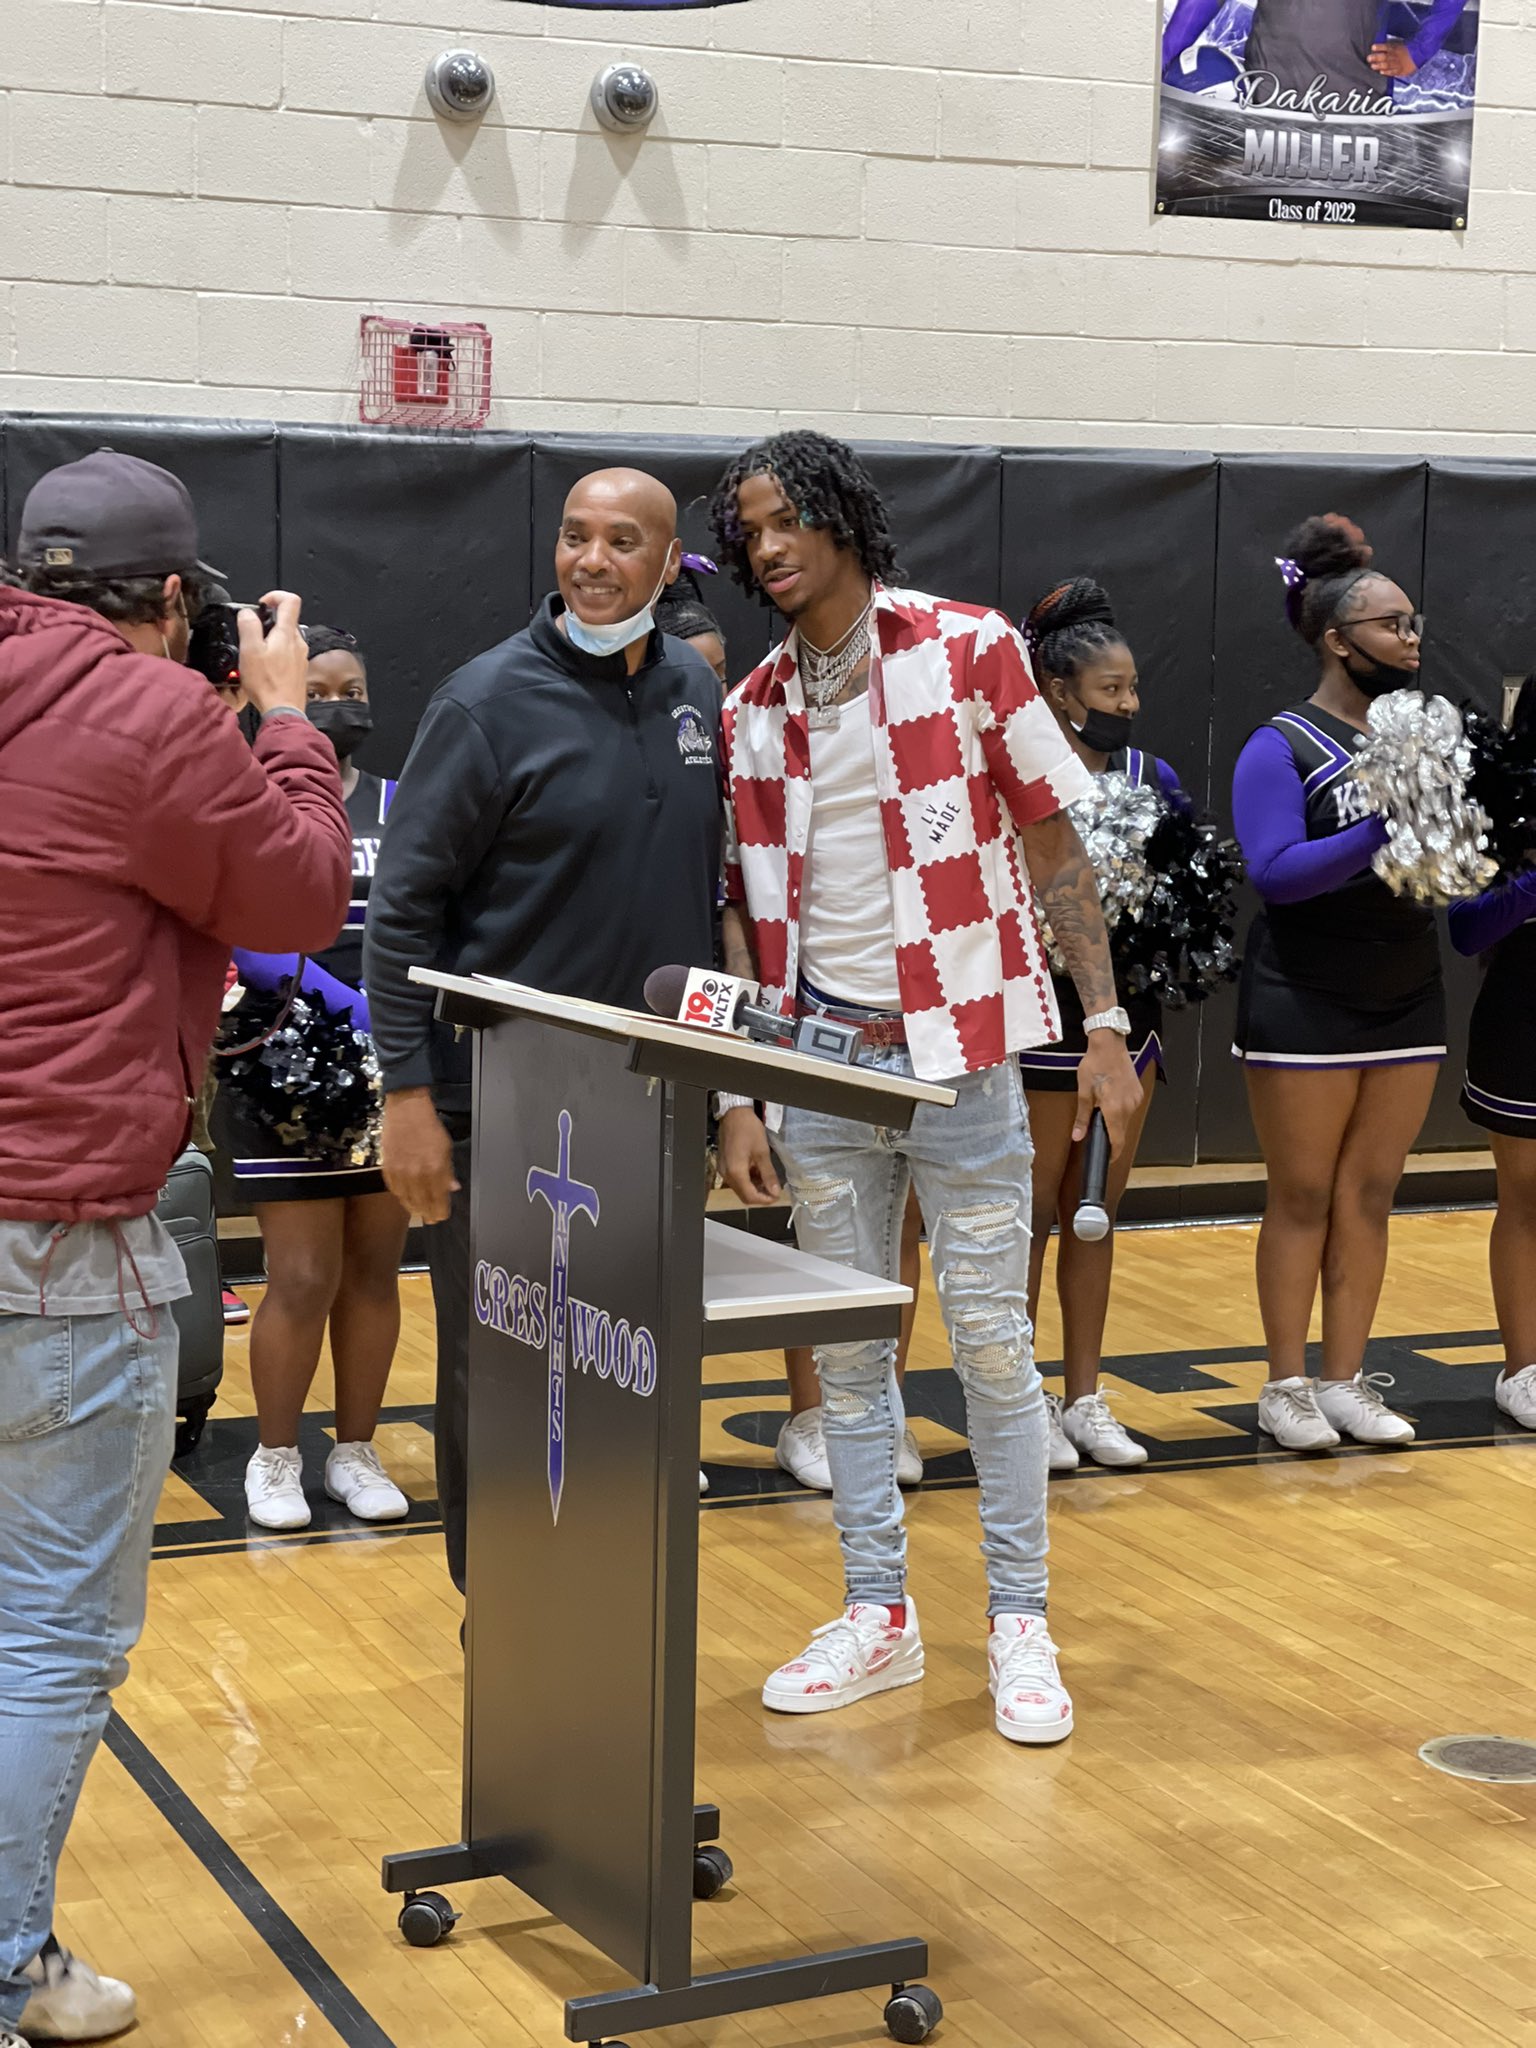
(970, 1167)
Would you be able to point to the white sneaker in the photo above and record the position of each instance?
(860, 1653)
(1288, 1412)
(909, 1461)
(1032, 1703)
(1355, 1408)
(1089, 1425)
(1515, 1393)
(71, 2003)
(1064, 1457)
(354, 1476)
(274, 1490)
(802, 1450)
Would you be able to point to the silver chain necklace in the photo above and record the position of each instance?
(825, 672)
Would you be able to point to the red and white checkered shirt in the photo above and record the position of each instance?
(966, 751)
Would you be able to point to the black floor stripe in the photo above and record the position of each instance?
(293, 1949)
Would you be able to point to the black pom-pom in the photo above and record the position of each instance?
(314, 1083)
(1503, 781)
(1180, 947)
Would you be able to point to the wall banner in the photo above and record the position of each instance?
(1332, 113)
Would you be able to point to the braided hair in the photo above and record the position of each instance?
(681, 610)
(1070, 626)
(826, 484)
(1325, 559)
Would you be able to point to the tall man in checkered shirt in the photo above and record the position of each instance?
(885, 768)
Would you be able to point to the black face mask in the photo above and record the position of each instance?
(345, 722)
(1374, 678)
(1104, 732)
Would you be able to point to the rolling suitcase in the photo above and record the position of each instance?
(186, 1209)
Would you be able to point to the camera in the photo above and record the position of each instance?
(624, 97)
(460, 85)
(213, 648)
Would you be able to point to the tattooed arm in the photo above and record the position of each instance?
(1069, 900)
(746, 1162)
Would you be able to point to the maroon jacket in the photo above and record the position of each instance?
(140, 837)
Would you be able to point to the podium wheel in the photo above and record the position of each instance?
(912, 2013)
(712, 1872)
(426, 1918)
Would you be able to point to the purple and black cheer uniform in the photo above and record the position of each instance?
(1052, 1069)
(1499, 1088)
(1338, 972)
(265, 1169)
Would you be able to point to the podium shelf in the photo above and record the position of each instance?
(760, 1294)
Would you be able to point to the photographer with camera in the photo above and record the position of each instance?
(140, 838)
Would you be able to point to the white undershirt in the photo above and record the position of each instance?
(847, 932)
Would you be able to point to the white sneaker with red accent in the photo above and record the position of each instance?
(1032, 1703)
(862, 1652)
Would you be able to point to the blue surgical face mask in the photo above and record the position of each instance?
(606, 640)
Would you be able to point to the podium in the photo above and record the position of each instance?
(598, 1288)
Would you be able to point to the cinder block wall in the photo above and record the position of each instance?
(901, 218)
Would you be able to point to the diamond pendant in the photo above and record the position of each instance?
(824, 717)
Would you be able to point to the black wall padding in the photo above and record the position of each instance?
(1479, 591)
(1143, 525)
(229, 466)
(432, 547)
(943, 504)
(417, 544)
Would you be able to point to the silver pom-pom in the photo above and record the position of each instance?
(1413, 770)
(1114, 821)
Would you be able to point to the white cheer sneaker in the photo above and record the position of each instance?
(355, 1477)
(802, 1452)
(274, 1489)
(1288, 1412)
(862, 1652)
(1515, 1394)
(1032, 1703)
(909, 1461)
(70, 2002)
(1356, 1408)
(1063, 1454)
(1090, 1427)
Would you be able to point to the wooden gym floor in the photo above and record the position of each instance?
(1239, 1845)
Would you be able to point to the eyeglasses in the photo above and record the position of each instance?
(1410, 625)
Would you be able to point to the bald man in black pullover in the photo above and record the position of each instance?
(557, 823)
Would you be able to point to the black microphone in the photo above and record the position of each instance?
(1091, 1221)
(722, 1002)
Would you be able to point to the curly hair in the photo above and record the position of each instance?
(1332, 557)
(1069, 625)
(826, 484)
(125, 600)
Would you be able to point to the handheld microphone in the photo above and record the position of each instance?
(1091, 1220)
(722, 1002)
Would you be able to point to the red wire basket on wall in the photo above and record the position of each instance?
(425, 373)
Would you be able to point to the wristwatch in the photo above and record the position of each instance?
(1108, 1020)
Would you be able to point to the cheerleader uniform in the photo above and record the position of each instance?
(1338, 971)
(1499, 1089)
(1052, 1069)
(265, 1169)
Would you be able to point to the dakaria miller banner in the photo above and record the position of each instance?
(1338, 113)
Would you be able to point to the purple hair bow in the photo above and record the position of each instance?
(1292, 573)
(701, 565)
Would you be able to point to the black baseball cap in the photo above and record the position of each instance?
(111, 515)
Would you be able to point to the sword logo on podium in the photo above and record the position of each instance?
(566, 1198)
